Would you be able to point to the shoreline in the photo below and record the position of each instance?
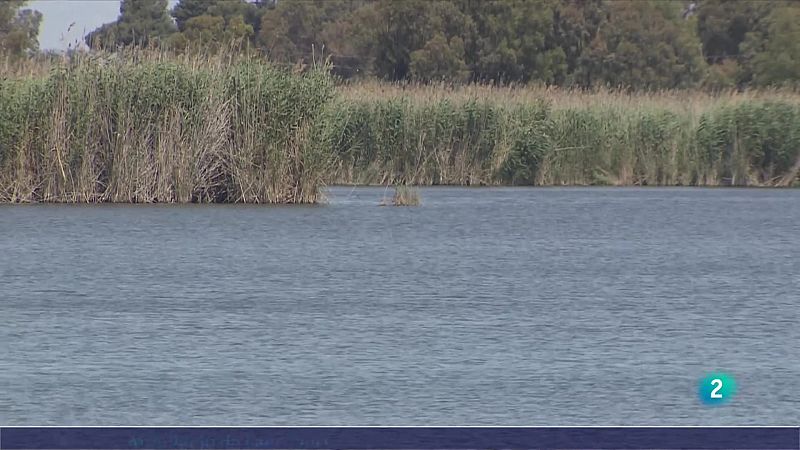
(326, 192)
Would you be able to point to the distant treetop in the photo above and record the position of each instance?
(643, 44)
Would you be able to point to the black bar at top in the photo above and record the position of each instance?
(752, 438)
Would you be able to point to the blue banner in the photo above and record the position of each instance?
(402, 438)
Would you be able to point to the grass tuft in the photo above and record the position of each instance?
(406, 196)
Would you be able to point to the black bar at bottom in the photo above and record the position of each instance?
(403, 438)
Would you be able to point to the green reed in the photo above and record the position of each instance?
(537, 137)
(148, 127)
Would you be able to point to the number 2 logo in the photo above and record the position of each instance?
(716, 389)
(718, 383)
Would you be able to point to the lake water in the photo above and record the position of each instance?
(500, 306)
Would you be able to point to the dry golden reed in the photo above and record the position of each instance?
(145, 126)
(440, 134)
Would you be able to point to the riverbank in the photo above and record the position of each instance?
(536, 136)
(151, 128)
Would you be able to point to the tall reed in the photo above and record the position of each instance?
(145, 128)
(481, 135)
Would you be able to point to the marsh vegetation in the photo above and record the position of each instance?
(147, 127)
(479, 135)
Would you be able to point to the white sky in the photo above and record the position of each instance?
(57, 15)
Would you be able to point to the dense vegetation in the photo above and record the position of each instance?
(480, 135)
(642, 44)
(466, 92)
(151, 128)
(163, 131)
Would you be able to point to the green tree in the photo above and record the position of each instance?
(211, 24)
(514, 40)
(440, 59)
(576, 24)
(19, 28)
(443, 56)
(774, 55)
(209, 32)
(141, 22)
(643, 44)
(401, 30)
(722, 26)
(185, 10)
(299, 30)
(350, 41)
(236, 11)
(651, 44)
(411, 35)
(290, 31)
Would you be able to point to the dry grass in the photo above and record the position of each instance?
(150, 127)
(145, 126)
(467, 135)
(406, 196)
(679, 101)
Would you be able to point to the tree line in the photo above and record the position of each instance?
(641, 44)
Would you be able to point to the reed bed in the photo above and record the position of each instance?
(146, 128)
(422, 134)
(151, 127)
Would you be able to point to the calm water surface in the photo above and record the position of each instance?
(483, 306)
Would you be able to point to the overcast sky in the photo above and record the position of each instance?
(86, 15)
